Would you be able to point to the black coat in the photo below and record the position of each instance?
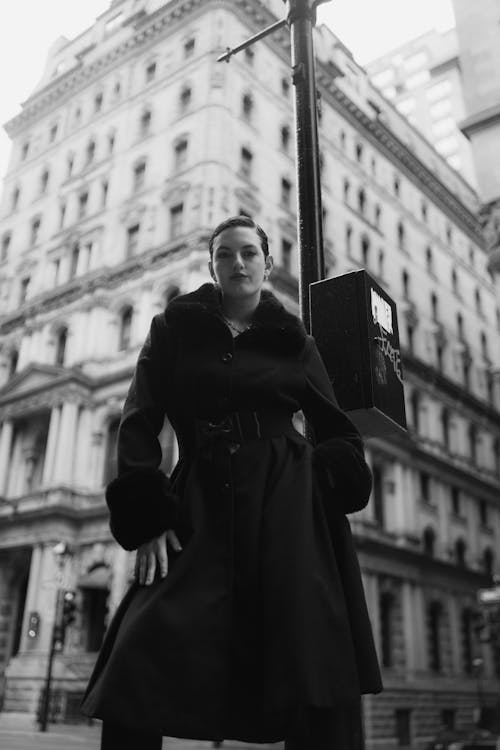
(263, 610)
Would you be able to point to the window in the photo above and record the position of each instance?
(361, 201)
(145, 123)
(286, 192)
(460, 327)
(478, 301)
(98, 99)
(62, 215)
(247, 106)
(285, 86)
(180, 153)
(374, 166)
(342, 138)
(150, 72)
(396, 186)
(405, 279)
(445, 427)
(386, 605)
(139, 175)
(415, 410)
(189, 46)
(176, 216)
(14, 201)
(484, 347)
(460, 550)
(246, 160)
(488, 560)
(365, 251)
(401, 236)
(23, 291)
(249, 55)
(434, 307)
(70, 162)
(83, 200)
(185, 98)
(285, 138)
(52, 133)
(425, 482)
(35, 230)
(448, 718)
(13, 359)
(403, 733)
(378, 215)
(25, 150)
(347, 188)
(434, 617)
(455, 501)
(75, 255)
(44, 181)
(429, 541)
(6, 240)
(61, 339)
(378, 497)
(483, 512)
(359, 152)
(348, 239)
(117, 90)
(429, 260)
(125, 328)
(286, 254)
(90, 152)
(104, 193)
(132, 240)
(111, 143)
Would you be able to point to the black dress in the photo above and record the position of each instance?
(263, 611)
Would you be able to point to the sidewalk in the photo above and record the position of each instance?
(21, 732)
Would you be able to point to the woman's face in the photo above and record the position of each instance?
(238, 262)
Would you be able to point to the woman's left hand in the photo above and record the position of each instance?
(153, 554)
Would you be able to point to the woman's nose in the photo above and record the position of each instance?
(238, 261)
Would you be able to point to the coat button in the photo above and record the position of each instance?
(226, 485)
(227, 357)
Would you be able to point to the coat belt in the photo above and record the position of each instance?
(240, 426)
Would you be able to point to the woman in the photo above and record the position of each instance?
(247, 619)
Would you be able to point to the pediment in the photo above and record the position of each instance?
(37, 377)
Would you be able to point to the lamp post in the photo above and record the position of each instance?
(62, 553)
(477, 665)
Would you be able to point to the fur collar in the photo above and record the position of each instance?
(273, 326)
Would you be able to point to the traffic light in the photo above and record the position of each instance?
(69, 608)
(33, 625)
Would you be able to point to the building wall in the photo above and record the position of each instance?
(389, 200)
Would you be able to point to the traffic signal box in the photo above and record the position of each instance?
(354, 323)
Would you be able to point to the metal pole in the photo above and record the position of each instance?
(301, 15)
(44, 713)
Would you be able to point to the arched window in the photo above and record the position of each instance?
(61, 338)
(185, 97)
(359, 152)
(429, 541)
(180, 152)
(460, 553)
(90, 151)
(247, 106)
(75, 254)
(125, 327)
(145, 122)
(342, 139)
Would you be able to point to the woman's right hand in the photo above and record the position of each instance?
(153, 555)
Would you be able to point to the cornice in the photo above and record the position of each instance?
(402, 156)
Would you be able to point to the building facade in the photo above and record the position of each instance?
(133, 146)
(423, 78)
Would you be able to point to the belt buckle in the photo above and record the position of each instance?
(225, 425)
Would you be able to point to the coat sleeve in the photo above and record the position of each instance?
(139, 499)
(338, 456)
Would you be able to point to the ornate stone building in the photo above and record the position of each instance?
(135, 143)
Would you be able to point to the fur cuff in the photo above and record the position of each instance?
(141, 507)
(344, 473)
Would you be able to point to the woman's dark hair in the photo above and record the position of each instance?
(239, 221)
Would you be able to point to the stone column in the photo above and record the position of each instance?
(82, 458)
(32, 599)
(63, 467)
(48, 467)
(5, 449)
(420, 629)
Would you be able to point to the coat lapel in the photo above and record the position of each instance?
(273, 326)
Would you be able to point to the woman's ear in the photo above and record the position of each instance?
(269, 263)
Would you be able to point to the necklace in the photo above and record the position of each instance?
(235, 328)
